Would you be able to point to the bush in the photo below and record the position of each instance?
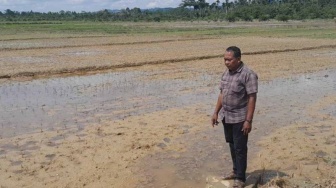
(283, 18)
(230, 18)
(264, 17)
(247, 18)
(157, 19)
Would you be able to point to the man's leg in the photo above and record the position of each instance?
(233, 156)
(228, 132)
(240, 148)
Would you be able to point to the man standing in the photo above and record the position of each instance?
(236, 101)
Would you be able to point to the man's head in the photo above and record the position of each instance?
(232, 58)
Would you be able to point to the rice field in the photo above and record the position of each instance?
(138, 98)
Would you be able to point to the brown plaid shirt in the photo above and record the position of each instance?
(236, 86)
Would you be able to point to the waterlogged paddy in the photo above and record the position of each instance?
(281, 102)
(78, 101)
(73, 102)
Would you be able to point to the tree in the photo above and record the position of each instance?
(226, 5)
(213, 6)
(188, 3)
(231, 10)
(242, 2)
(136, 10)
(199, 4)
(202, 4)
(9, 12)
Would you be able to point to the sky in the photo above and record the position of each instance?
(84, 5)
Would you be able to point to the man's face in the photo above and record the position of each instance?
(230, 61)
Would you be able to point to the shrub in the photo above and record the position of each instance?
(283, 18)
(264, 17)
(157, 19)
(230, 18)
(247, 18)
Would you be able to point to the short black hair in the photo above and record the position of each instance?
(236, 51)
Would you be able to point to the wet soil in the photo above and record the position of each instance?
(147, 126)
(281, 102)
(101, 99)
(73, 102)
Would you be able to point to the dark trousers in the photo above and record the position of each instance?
(238, 147)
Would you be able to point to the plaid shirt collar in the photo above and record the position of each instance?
(239, 69)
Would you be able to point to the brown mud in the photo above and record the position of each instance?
(85, 70)
(148, 126)
(82, 60)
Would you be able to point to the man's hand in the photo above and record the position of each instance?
(247, 128)
(214, 120)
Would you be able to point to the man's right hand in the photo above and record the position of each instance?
(214, 120)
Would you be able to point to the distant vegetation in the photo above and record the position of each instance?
(193, 10)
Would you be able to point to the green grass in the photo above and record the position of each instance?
(297, 29)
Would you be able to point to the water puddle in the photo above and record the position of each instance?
(50, 156)
(16, 163)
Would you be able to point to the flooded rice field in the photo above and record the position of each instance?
(76, 102)
(73, 102)
(134, 110)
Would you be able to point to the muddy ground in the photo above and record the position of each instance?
(148, 125)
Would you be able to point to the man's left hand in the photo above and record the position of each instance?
(247, 128)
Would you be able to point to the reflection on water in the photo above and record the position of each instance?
(76, 101)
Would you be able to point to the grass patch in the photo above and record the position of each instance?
(276, 29)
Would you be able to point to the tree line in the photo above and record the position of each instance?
(191, 10)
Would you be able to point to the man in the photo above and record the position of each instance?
(236, 101)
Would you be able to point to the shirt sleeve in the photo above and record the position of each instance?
(221, 83)
(251, 83)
